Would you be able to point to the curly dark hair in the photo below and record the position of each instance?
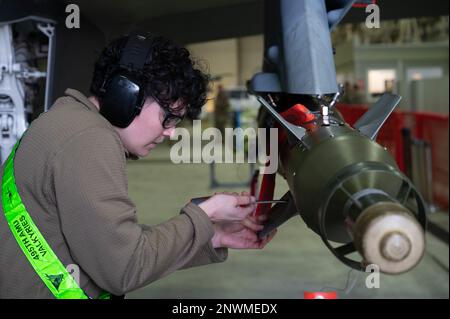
(169, 74)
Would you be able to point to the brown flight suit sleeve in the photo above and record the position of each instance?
(99, 220)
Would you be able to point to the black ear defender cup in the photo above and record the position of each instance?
(122, 96)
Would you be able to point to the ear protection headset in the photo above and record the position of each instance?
(122, 95)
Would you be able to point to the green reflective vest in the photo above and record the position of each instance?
(38, 252)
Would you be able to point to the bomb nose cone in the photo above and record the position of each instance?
(390, 237)
(395, 246)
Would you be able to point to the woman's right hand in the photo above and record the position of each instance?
(229, 207)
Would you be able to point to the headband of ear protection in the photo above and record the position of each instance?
(122, 95)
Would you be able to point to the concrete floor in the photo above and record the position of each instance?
(295, 261)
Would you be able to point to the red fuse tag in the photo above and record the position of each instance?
(320, 295)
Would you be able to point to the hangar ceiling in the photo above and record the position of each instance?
(188, 21)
